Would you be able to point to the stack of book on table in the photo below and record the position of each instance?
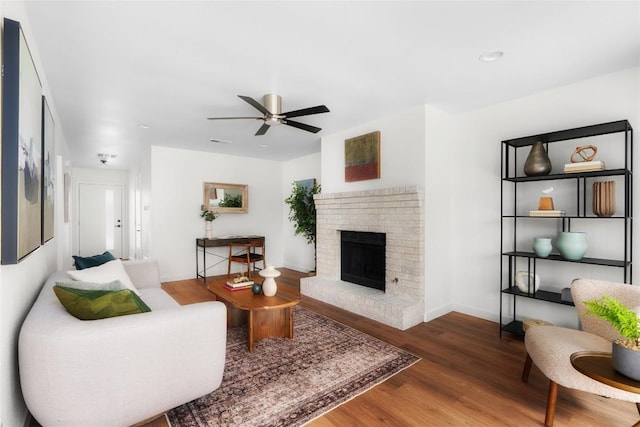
(549, 213)
(234, 285)
(594, 165)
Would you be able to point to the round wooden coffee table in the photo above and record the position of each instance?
(265, 316)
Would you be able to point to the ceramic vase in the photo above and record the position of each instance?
(572, 245)
(626, 361)
(524, 282)
(542, 246)
(269, 286)
(537, 162)
(256, 288)
(209, 228)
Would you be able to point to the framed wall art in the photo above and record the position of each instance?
(48, 172)
(362, 157)
(21, 148)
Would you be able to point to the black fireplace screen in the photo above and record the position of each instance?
(362, 257)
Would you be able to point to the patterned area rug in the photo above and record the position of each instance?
(290, 382)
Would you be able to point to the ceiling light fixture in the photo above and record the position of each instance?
(263, 145)
(491, 56)
(143, 126)
(105, 157)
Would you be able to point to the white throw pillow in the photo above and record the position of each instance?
(105, 273)
(116, 285)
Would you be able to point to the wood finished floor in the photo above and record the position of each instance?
(468, 376)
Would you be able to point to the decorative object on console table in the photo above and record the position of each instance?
(362, 157)
(269, 286)
(542, 246)
(572, 245)
(209, 217)
(537, 163)
(21, 148)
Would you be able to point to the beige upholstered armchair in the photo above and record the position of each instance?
(550, 347)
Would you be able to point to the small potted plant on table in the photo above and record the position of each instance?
(208, 216)
(625, 351)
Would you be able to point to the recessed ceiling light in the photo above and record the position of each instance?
(143, 126)
(491, 56)
(264, 145)
(219, 141)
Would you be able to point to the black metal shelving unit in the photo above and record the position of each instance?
(512, 149)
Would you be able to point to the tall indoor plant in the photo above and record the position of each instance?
(625, 351)
(302, 211)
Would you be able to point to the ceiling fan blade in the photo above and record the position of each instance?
(302, 126)
(263, 129)
(234, 118)
(255, 104)
(307, 111)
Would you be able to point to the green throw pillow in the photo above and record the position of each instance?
(99, 304)
(92, 261)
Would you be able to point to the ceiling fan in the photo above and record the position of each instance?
(273, 115)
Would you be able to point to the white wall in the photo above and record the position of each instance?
(298, 254)
(177, 177)
(440, 138)
(475, 187)
(20, 283)
(402, 148)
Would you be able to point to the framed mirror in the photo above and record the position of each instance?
(226, 198)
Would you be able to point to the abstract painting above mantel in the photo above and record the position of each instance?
(21, 148)
(362, 157)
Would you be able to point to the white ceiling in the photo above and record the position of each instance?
(113, 65)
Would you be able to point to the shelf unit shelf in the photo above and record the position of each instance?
(512, 223)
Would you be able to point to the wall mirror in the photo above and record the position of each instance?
(226, 198)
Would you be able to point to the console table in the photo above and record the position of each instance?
(203, 243)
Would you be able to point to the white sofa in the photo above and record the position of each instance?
(121, 370)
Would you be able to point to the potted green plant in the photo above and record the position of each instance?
(302, 210)
(625, 351)
(208, 216)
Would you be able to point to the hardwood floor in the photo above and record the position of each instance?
(468, 375)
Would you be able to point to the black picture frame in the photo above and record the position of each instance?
(21, 148)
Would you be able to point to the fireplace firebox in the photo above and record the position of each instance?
(362, 256)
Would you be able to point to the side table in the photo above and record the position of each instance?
(597, 365)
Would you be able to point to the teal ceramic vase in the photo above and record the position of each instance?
(542, 246)
(572, 245)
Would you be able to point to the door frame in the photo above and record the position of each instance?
(100, 177)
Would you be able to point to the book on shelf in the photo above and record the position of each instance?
(594, 165)
(547, 213)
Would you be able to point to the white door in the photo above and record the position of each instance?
(100, 219)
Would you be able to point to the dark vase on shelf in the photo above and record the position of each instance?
(537, 163)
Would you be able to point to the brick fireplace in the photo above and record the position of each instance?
(399, 214)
